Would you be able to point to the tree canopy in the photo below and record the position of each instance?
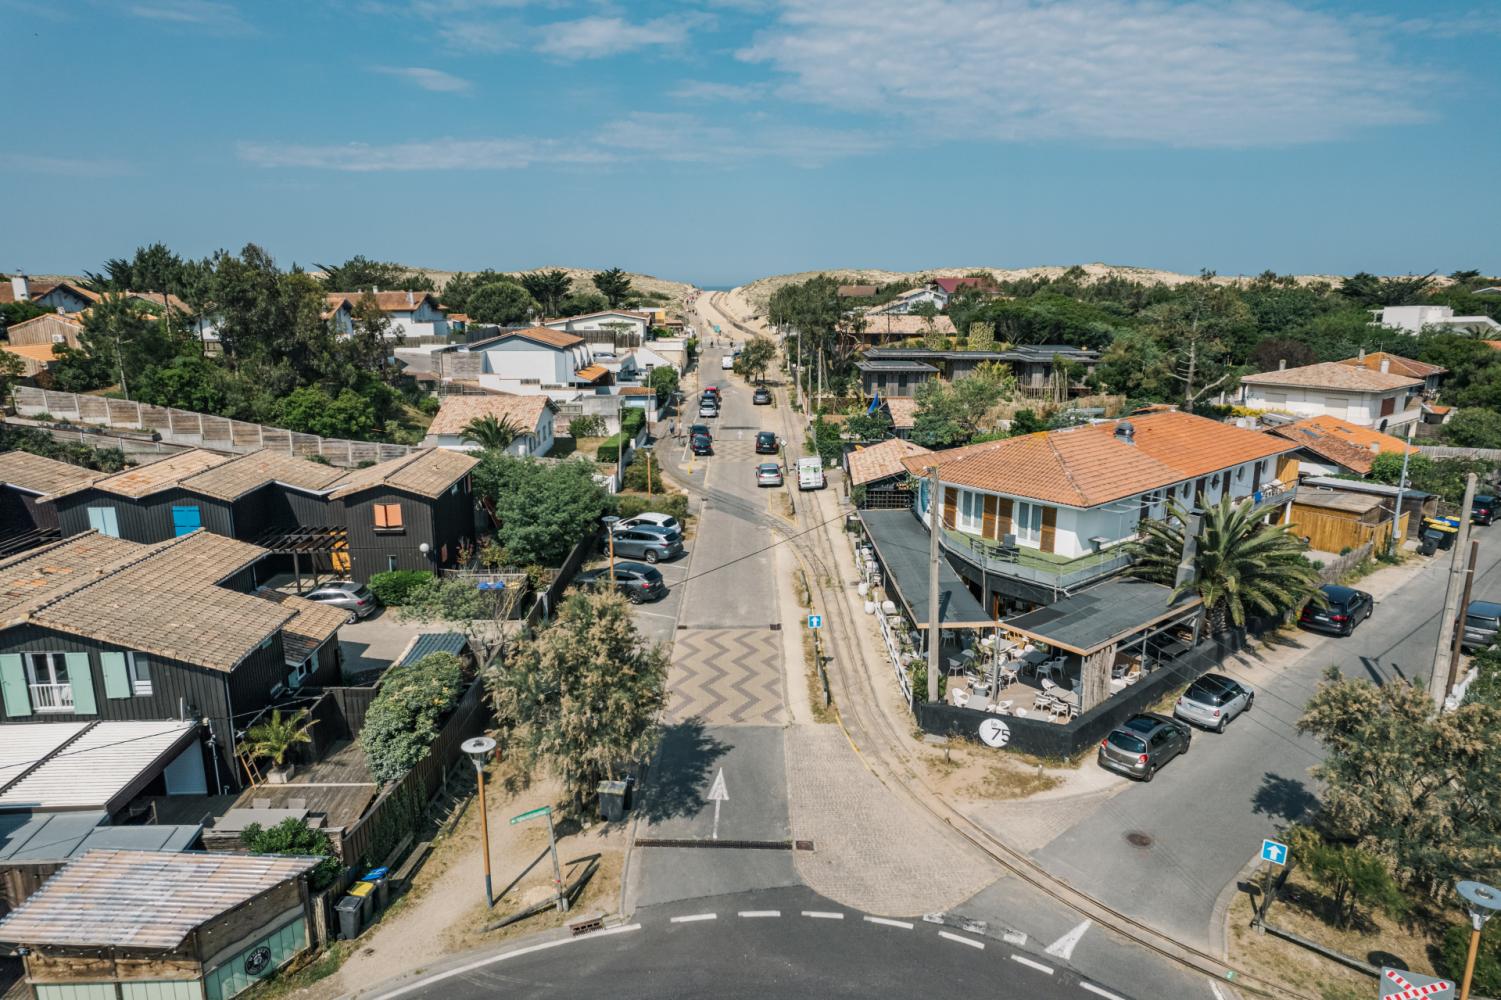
(614, 285)
(541, 509)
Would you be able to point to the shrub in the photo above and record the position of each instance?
(1456, 949)
(430, 405)
(609, 449)
(586, 426)
(404, 718)
(631, 504)
(635, 475)
(632, 420)
(292, 836)
(395, 587)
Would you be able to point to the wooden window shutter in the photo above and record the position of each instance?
(1199, 489)
(81, 680)
(987, 525)
(1049, 527)
(950, 506)
(1004, 528)
(13, 687)
(116, 678)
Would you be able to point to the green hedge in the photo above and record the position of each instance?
(394, 588)
(632, 420)
(631, 504)
(405, 717)
(609, 448)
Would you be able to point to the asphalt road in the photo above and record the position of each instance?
(787, 944)
(1205, 816)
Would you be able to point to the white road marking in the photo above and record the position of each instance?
(1032, 965)
(962, 940)
(1091, 987)
(884, 922)
(530, 949)
(823, 915)
(719, 795)
(751, 914)
(1216, 991)
(1014, 937)
(1064, 947)
(695, 917)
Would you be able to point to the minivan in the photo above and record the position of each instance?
(1482, 624)
(810, 473)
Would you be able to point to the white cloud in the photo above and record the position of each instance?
(1213, 73)
(686, 138)
(428, 79)
(708, 90)
(209, 15)
(597, 37)
(434, 154)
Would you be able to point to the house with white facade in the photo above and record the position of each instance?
(411, 314)
(67, 297)
(1415, 319)
(1030, 519)
(612, 320)
(1379, 398)
(907, 301)
(531, 415)
(531, 361)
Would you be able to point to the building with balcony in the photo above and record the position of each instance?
(1028, 520)
(1382, 398)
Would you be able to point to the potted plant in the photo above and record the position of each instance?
(274, 739)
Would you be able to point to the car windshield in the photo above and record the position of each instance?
(1475, 621)
(361, 592)
(1127, 742)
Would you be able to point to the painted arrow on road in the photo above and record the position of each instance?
(718, 794)
(1064, 947)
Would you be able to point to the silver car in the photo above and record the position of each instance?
(352, 597)
(1212, 701)
(768, 474)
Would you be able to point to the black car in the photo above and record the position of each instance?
(1347, 608)
(702, 444)
(762, 396)
(1484, 510)
(766, 443)
(700, 429)
(639, 583)
(1143, 743)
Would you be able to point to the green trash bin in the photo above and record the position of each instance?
(612, 800)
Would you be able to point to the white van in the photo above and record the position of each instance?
(727, 363)
(810, 473)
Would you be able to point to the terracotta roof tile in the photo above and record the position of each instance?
(457, 411)
(1335, 375)
(1396, 364)
(426, 472)
(45, 476)
(387, 301)
(39, 353)
(38, 575)
(592, 373)
(233, 479)
(162, 474)
(881, 460)
(546, 336)
(903, 410)
(311, 626)
(1342, 442)
(1089, 466)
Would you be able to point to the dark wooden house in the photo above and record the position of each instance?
(25, 480)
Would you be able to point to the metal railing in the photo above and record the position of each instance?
(1031, 565)
(51, 697)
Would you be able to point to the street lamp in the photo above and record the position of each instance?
(610, 521)
(1482, 901)
(479, 750)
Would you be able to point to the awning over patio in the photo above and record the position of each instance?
(901, 541)
(1096, 618)
(299, 541)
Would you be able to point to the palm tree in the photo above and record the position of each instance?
(275, 738)
(492, 432)
(1239, 563)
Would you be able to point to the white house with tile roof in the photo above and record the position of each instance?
(1379, 398)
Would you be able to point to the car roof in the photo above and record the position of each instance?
(763, 434)
(631, 567)
(769, 465)
(348, 586)
(1338, 593)
(1483, 608)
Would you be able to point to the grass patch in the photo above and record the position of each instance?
(303, 974)
(1005, 781)
(784, 501)
(821, 712)
(804, 594)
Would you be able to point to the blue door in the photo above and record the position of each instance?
(186, 519)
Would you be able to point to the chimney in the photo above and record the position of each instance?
(1125, 432)
(20, 287)
(1282, 365)
(1362, 355)
(377, 289)
(1386, 365)
(410, 301)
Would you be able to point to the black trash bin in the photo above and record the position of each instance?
(612, 800)
(349, 909)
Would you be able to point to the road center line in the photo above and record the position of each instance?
(1091, 987)
(962, 940)
(691, 918)
(753, 914)
(884, 922)
(530, 949)
(823, 915)
(1032, 965)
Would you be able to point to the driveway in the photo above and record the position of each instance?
(370, 645)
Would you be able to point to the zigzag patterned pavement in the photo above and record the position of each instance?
(726, 677)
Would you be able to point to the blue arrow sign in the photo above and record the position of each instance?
(1274, 852)
(815, 621)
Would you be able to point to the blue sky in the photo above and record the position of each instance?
(719, 141)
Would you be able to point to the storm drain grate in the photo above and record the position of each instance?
(739, 845)
(585, 926)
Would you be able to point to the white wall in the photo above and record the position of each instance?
(424, 321)
(517, 359)
(605, 321)
(1360, 408)
(537, 443)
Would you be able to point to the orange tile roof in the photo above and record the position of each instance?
(40, 353)
(1089, 466)
(457, 411)
(1337, 375)
(1493, 344)
(1341, 441)
(881, 460)
(903, 410)
(387, 301)
(1396, 364)
(592, 373)
(546, 336)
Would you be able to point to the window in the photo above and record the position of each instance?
(1028, 522)
(1388, 406)
(140, 673)
(47, 676)
(391, 563)
(185, 519)
(105, 521)
(388, 517)
(971, 510)
(1336, 406)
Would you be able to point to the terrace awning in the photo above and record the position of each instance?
(901, 542)
(1103, 615)
(300, 541)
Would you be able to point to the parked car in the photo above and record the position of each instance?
(1484, 510)
(355, 598)
(727, 362)
(1143, 743)
(810, 473)
(648, 542)
(768, 474)
(1347, 608)
(766, 443)
(710, 390)
(701, 429)
(651, 517)
(1212, 701)
(762, 396)
(702, 444)
(708, 408)
(1482, 625)
(639, 583)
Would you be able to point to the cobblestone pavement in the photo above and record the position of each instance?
(726, 676)
(873, 850)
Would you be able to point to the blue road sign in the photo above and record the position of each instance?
(1274, 852)
(815, 621)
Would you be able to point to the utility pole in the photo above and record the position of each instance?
(1438, 678)
(1464, 604)
(1401, 491)
(935, 633)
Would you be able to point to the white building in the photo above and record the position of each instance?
(533, 415)
(1414, 319)
(1380, 398)
(411, 314)
(907, 301)
(612, 320)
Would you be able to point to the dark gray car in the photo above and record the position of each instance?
(1482, 625)
(649, 542)
(1143, 743)
(637, 582)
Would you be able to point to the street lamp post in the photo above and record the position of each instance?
(1482, 902)
(610, 520)
(479, 750)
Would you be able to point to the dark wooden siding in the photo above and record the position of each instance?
(20, 513)
(424, 521)
(328, 669)
(251, 682)
(148, 519)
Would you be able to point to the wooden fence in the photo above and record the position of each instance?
(1442, 451)
(1336, 568)
(196, 430)
(1329, 533)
